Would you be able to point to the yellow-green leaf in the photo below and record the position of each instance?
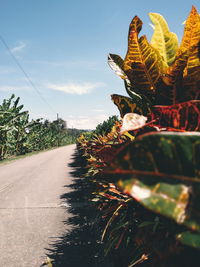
(165, 41)
(189, 238)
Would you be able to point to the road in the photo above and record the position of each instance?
(31, 212)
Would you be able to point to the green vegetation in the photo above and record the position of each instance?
(106, 126)
(19, 135)
(146, 168)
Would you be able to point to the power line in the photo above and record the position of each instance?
(25, 73)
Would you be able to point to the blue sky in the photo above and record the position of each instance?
(63, 47)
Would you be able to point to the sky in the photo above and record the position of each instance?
(63, 46)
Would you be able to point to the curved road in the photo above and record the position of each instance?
(31, 212)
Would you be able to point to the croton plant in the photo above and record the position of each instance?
(152, 157)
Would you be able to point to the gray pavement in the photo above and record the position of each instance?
(31, 212)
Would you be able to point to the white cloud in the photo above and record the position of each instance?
(19, 47)
(75, 88)
(85, 122)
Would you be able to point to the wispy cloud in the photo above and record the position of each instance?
(19, 47)
(75, 88)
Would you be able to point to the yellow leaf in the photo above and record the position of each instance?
(191, 73)
(191, 31)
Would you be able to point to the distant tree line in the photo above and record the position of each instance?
(20, 135)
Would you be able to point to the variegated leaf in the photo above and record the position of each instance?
(165, 41)
(116, 64)
(184, 116)
(191, 31)
(162, 172)
(163, 198)
(143, 63)
(191, 73)
(136, 104)
(184, 74)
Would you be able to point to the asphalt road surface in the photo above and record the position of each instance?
(31, 211)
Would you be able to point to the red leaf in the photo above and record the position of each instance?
(184, 116)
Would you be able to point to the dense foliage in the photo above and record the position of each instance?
(19, 135)
(106, 126)
(146, 169)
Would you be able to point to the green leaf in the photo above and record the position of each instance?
(162, 172)
(163, 198)
(146, 223)
(190, 239)
(165, 41)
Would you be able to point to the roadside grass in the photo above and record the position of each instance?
(15, 157)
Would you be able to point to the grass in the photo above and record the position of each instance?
(14, 157)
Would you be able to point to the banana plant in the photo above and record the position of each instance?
(10, 114)
(19, 135)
